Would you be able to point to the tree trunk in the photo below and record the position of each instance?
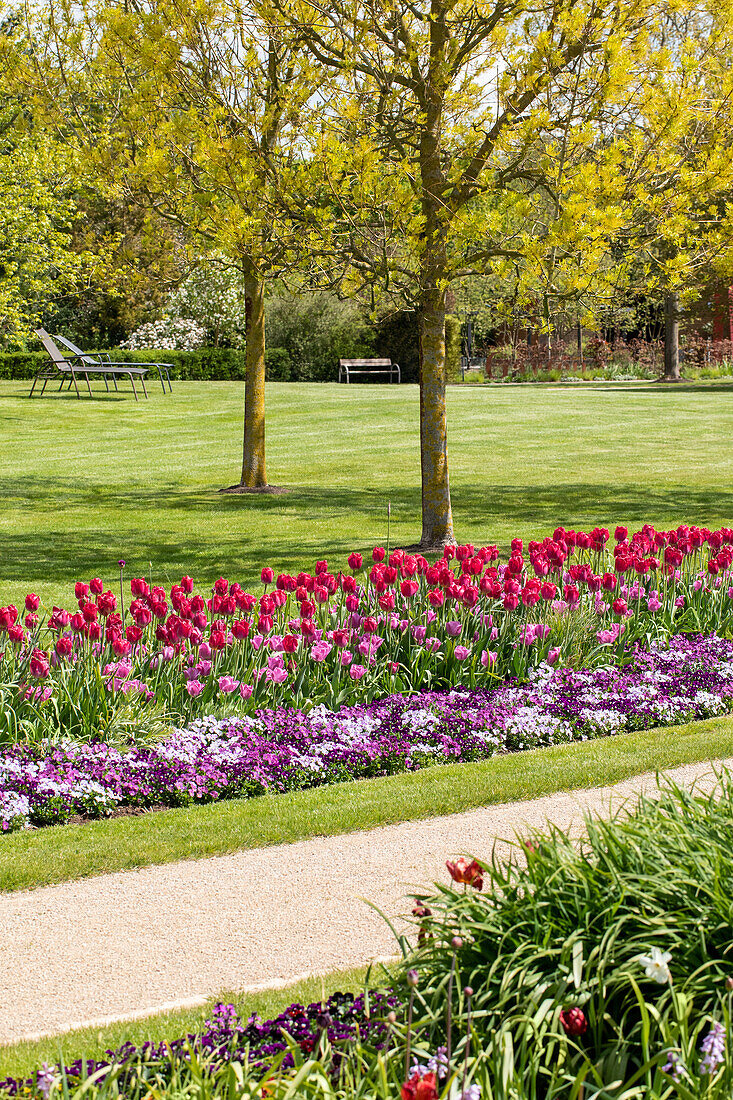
(253, 458)
(437, 518)
(671, 337)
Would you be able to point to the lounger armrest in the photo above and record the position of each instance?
(135, 363)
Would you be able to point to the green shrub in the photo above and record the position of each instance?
(397, 338)
(278, 365)
(316, 330)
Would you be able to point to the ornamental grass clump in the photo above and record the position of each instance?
(596, 969)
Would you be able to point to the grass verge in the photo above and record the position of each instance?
(22, 1059)
(62, 853)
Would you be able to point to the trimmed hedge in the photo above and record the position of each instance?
(205, 364)
(397, 338)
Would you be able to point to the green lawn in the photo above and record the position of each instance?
(86, 482)
(64, 852)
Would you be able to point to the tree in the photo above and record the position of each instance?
(38, 211)
(442, 116)
(194, 110)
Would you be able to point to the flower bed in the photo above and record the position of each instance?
(283, 749)
(227, 1038)
(117, 665)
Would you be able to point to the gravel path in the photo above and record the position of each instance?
(136, 942)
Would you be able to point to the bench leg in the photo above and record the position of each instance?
(142, 383)
(160, 376)
(132, 383)
(33, 386)
(89, 385)
(76, 387)
(104, 376)
(114, 379)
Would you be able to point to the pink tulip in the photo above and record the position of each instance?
(227, 684)
(553, 656)
(346, 658)
(320, 651)
(488, 658)
(276, 675)
(245, 691)
(357, 671)
(461, 652)
(194, 687)
(452, 628)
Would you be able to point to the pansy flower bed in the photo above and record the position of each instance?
(282, 749)
(228, 1038)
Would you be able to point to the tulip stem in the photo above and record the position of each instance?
(409, 1034)
(467, 1051)
(449, 1012)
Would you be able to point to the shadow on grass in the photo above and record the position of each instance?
(180, 531)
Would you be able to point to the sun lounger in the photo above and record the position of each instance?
(72, 366)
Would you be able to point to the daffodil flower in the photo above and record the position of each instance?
(656, 965)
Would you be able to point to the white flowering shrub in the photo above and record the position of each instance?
(168, 334)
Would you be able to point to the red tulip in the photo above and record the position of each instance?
(378, 553)
(574, 1021)
(8, 615)
(267, 575)
(420, 1088)
(64, 646)
(39, 664)
(32, 602)
(571, 593)
(81, 590)
(620, 607)
(96, 587)
(621, 534)
(467, 873)
(356, 561)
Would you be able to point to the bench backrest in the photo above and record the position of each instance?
(53, 350)
(365, 362)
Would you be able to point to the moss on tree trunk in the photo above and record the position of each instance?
(253, 457)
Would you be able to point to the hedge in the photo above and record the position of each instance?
(206, 364)
(397, 339)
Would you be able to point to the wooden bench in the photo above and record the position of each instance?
(348, 367)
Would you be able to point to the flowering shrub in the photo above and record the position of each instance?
(169, 333)
(284, 749)
(354, 636)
